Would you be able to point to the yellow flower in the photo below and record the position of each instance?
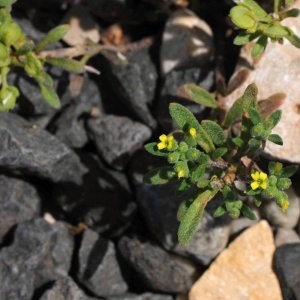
(284, 206)
(180, 173)
(165, 142)
(260, 180)
(193, 132)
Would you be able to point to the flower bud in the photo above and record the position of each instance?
(173, 157)
(284, 183)
(183, 147)
(193, 154)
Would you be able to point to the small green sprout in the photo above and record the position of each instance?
(261, 26)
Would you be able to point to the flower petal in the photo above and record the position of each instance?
(263, 176)
(254, 185)
(163, 138)
(161, 145)
(255, 175)
(264, 185)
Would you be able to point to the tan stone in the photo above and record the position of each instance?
(83, 27)
(243, 271)
(277, 71)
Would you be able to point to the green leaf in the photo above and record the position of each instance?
(257, 201)
(184, 185)
(197, 94)
(203, 159)
(214, 131)
(276, 31)
(160, 175)
(51, 37)
(237, 142)
(219, 152)
(293, 39)
(242, 17)
(248, 213)
(220, 211)
(258, 11)
(33, 65)
(245, 37)
(183, 208)
(274, 119)
(289, 171)
(50, 96)
(198, 173)
(70, 65)
(292, 13)
(193, 216)
(152, 149)
(227, 192)
(203, 183)
(276, 139)
(251, 192)
(255, 115)
(185, 119)
(253, 145)
(242, 105)
(259, 46)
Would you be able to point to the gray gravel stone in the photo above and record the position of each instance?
(30, 150)
(134, 84)
(98, 267)
(19, 201)
(69, 127)
(287, 268)
(145, 296)
(57, 261)
(117, 138)
(65, 289)
(18, 262)
(156, 269)
(104, 201)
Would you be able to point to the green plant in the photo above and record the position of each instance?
(258, 24)
(17, 51)
(205, 159)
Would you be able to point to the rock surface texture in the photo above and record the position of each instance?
(243, 271)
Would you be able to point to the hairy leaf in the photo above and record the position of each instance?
(276, 139)
(193, 216)
(152, 149)
(245, 37)
(220, 211)
(289, 171)
(219, 152)
(51, 37)
(160, 175)
(197, 94)
(70, 65)
(50, 96)
(248, 213)
(242, 105)
(275, 118)
(259, 46)
(254, 115)
(214, 131)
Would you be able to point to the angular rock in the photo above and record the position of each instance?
(286, 265)
(65, 289)
(19, 201)
(145, 296)
(104, 201)
(57, 261)
(169, 93)
(82, 26)
(69, 127)
(155, 268)
(243, 271)
(134, 84)
(187, 41)
(31, 150)
(98, 267)
(158, 205)
(117, 138)
(18, 262)
(277, 217)
(273, 75)
(286, 236)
